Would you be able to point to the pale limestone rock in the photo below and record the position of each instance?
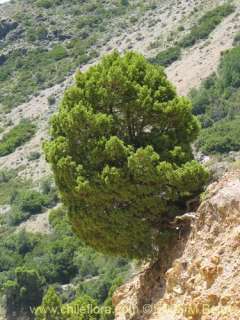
(201, 279)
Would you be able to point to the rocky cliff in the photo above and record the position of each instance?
(199, 278)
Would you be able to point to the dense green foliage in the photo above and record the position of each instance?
(121, 155)
(206, 24)
(16, 137)
(29, 202)
(56, 259)
(222, 137)
(167, 57)
(217, 105)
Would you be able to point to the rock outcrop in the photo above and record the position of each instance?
(203, 279)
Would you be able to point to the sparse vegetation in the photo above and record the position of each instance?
(52, 47)
(206, 24)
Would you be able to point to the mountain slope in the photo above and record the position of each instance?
(147, 35)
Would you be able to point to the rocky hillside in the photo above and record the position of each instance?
(148, 30)
(201, 278)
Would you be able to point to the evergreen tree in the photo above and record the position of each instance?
(121, 155)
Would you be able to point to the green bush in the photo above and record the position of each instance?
(222, 137)
(16, 137)
(57, 257)
(236, 40)
(45, 3)
(51, 307)
(229, 69)
(27, 202)
(167, 57)
(58, 53)
(34, 156)
(30, 201)
(51, 100)
(16, 216)
(24, 204)
(6, 176)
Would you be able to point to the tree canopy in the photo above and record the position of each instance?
(120, 150)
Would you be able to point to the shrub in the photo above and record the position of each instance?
(16, 137)
(6, 176)
(229, 69)
(34, 156)
(222, 137)
(122, 138)
(51, 100)
(16, 216)
(59, 257)
(167, 57)
(236, 40)
(181, 28)
(45, 3)
(58, 53)
(39, 33)
(29, 201)
(26, 202)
